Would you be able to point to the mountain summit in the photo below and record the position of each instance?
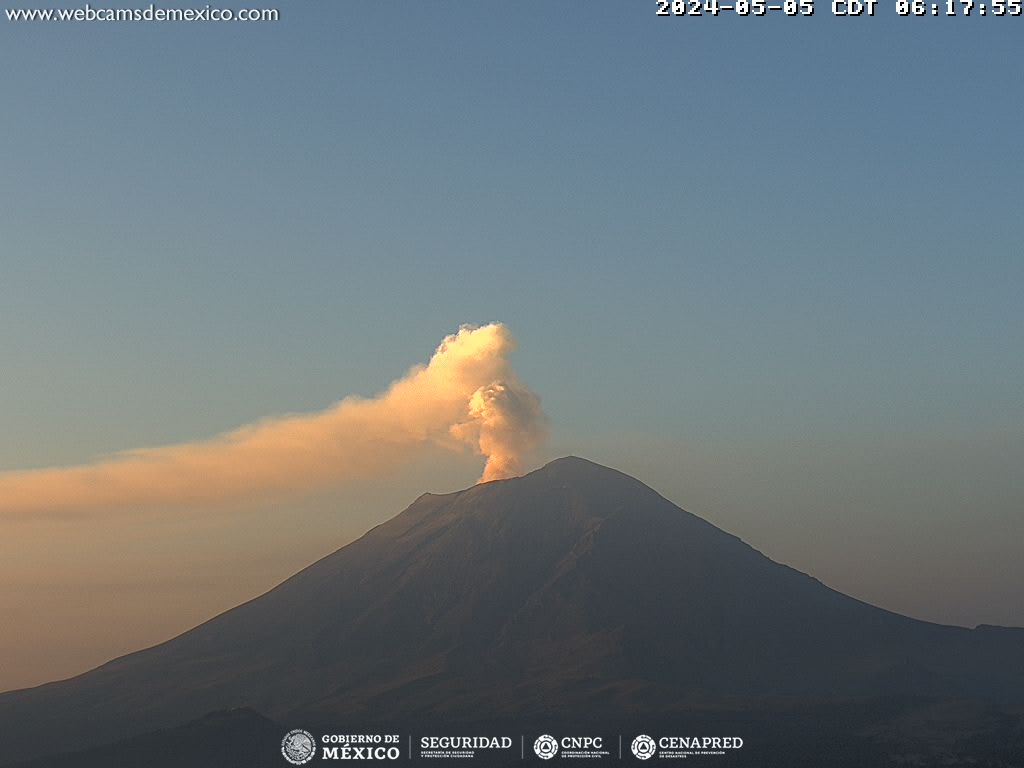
(573, 589)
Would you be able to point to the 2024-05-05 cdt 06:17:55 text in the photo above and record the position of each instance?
(681, 8)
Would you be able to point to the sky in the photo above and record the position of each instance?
(770, 266)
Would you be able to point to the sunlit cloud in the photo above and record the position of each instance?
(466, 395)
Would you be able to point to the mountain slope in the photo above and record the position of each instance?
(574, 588)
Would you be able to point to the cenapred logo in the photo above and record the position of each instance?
(298, 747)
(546, 747)
(644, 747)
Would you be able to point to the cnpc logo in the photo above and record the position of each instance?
(547, 746)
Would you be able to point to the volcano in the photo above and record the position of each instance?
(574, 593)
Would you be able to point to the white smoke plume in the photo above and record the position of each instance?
(466, 394)
(507, 423)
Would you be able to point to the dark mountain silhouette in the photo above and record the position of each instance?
(239, 738)
(573, 593)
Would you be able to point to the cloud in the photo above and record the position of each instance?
(506, 423)
(466, 395)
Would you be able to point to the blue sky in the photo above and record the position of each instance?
(770, 265)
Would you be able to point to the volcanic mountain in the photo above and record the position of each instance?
(574, 592)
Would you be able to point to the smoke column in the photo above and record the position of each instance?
(466, 395)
